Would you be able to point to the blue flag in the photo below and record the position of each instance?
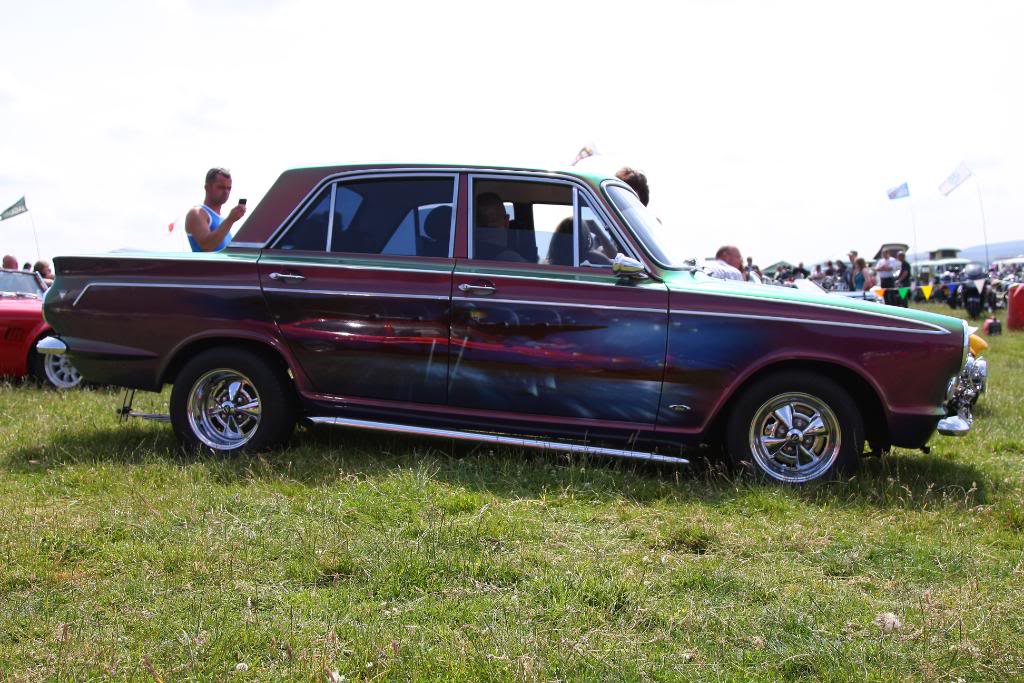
(899, 192)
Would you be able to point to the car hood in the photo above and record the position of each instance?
(698, 282)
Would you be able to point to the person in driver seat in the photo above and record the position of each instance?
(490, 235)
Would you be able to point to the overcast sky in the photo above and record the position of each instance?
(775, 126)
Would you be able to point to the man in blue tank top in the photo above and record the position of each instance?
(205, 228)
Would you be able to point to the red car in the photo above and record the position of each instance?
(22, 325)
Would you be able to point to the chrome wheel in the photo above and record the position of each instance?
(794, 437)
(60, 372)
(224, 409)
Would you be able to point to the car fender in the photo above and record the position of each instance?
(782, 357)
(301, 380)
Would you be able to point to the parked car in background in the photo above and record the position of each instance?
(22, 325)
(811, 286)
(501, 305)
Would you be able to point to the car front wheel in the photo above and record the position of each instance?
(229, 400)
(795, 427)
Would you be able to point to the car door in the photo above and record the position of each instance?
(540, 324)
(360, 286)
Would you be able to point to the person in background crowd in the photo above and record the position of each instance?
(10, 263)
(727, 264)
(26, 266)
(842, 275)
(902, 279)
(800, 272)
(887, 267)
(817, 276)
(206, 230)
(863, 280)
(752, 272)
(636, 180)
(829, 270)
(852, 257)
(45, 272)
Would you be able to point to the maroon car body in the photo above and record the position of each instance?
(417, 329)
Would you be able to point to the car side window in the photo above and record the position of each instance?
(394, 216)
(309, 233)
(525, 221)
(520, 221)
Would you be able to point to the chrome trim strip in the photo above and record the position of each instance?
(51, 346)
(516, 441)
(335, 292)
(575, 227)
(271, 260)
(330, 218)
(360, 174)
(183, 256)
(967, 345)
(160, 285)
(532, 302)
(829, 307)
(805, 321)
(455, 216)
(153, 417)
(612, 281)
(246, 245)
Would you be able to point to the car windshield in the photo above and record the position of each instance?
(15, 282)
(648, 229)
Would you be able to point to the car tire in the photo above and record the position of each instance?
(795, 428)
(55, 371)
(227, 400)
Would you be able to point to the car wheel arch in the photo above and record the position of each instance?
(39, 333)
(188, 349)
(864, 393)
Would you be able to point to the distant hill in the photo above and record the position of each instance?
(996, 250)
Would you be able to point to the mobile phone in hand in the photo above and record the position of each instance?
(241, 202)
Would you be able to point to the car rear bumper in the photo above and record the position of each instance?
(51, 346)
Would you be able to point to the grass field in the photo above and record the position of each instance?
(362, 557)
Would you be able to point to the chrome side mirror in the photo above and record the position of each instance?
(624, 266)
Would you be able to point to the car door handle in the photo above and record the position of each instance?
(481, 288)
(287, 277)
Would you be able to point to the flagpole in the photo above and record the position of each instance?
(913, 223)
(35, 234)
(984, 228)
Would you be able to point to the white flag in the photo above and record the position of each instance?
(955, 179)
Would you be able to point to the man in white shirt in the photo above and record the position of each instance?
(727, 264)
(887, 268)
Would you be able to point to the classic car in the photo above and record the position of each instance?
(22, 325)
(503, 305)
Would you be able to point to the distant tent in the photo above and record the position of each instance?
(893, 247)
(776, 267)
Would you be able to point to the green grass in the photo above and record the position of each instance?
(386, 558)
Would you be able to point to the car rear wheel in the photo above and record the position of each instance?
(795, 428)
(56, 371)
(228, 400)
